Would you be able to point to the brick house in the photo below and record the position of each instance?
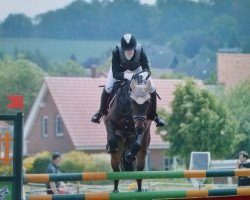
(60, 118)
(232, 68)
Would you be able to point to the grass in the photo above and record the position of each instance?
(58, 50)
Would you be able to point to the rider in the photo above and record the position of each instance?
(127, 60)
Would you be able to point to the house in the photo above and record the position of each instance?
(232, 68)
(60, 118)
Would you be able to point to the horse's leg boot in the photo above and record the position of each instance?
(103, 108)
(153, 115)
(112, 146)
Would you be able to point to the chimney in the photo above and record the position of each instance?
(93, 71)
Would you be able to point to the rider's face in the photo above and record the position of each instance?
(242, 158)
(129, 53)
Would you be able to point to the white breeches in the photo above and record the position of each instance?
(111, 80)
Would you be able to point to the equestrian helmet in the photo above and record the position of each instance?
(128, 42)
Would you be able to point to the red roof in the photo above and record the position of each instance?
(232, 68)
(77, 99)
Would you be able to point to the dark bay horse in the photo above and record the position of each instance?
(128, 129)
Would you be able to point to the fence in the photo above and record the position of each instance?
(12, 185)
(140, 175)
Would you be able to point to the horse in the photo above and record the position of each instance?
(128, 129)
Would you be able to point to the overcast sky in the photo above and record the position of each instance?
(34, 7)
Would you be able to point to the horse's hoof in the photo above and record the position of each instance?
(142, 190)
(115, 191)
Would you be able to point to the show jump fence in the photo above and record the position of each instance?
(145, 195)
(94, 176)
(11, 186)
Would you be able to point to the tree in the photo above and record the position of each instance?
(238, 101)
(199, 122)
(222, 29)
(19, 77)
(70, 68)
(246, 46)
(17, 25)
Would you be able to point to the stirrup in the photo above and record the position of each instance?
(159, 121)
(97, 118)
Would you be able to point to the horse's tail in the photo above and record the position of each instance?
(125, 164)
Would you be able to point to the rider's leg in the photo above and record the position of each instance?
(103, 108)
(153, 114)
(104, 98)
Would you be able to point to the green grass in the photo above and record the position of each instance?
(58, 50)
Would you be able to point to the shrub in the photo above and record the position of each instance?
(76, 162)
(37, 163)
(101, 162)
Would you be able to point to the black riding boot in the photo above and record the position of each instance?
(103, 108)
(153, 115)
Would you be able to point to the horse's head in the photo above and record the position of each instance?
(140, 100)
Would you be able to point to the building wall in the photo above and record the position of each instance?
(37, 142)
(232, 68)
(156, 159)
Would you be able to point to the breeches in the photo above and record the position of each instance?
(111, 80)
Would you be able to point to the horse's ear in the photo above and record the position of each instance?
(133, 84)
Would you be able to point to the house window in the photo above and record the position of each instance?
(58, 126)
(44, 126)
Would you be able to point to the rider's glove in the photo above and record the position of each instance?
(128, 76)
(145, 75)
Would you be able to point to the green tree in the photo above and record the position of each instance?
(238, 101)
(246, 46)
(70, 68)
(199, 122)
(19, 77)
(17, 25)
(222, 29)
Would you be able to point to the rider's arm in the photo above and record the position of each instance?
(144, 61)
(53, 187)
(118, 71)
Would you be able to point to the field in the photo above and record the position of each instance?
(58, 50)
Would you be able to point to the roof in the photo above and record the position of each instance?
(232, 68)
(77, 99)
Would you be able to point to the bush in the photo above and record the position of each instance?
(6, 170)
(37, 163)
(76, 161)
(101, 162)
(72, 162)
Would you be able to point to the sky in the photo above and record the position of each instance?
(33, 7)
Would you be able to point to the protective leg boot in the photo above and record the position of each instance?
(103, 108)
(153, 115)
(111, 146)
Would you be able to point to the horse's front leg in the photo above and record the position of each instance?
(135, 147)
(141, 157)
(115, 163)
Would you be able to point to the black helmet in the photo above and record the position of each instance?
(55, 155)
(128, 42)
(244, 153)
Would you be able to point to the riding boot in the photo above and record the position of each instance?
(153, 115)
(103, 108)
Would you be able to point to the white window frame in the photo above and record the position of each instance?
(45, 127)
(58, 132)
